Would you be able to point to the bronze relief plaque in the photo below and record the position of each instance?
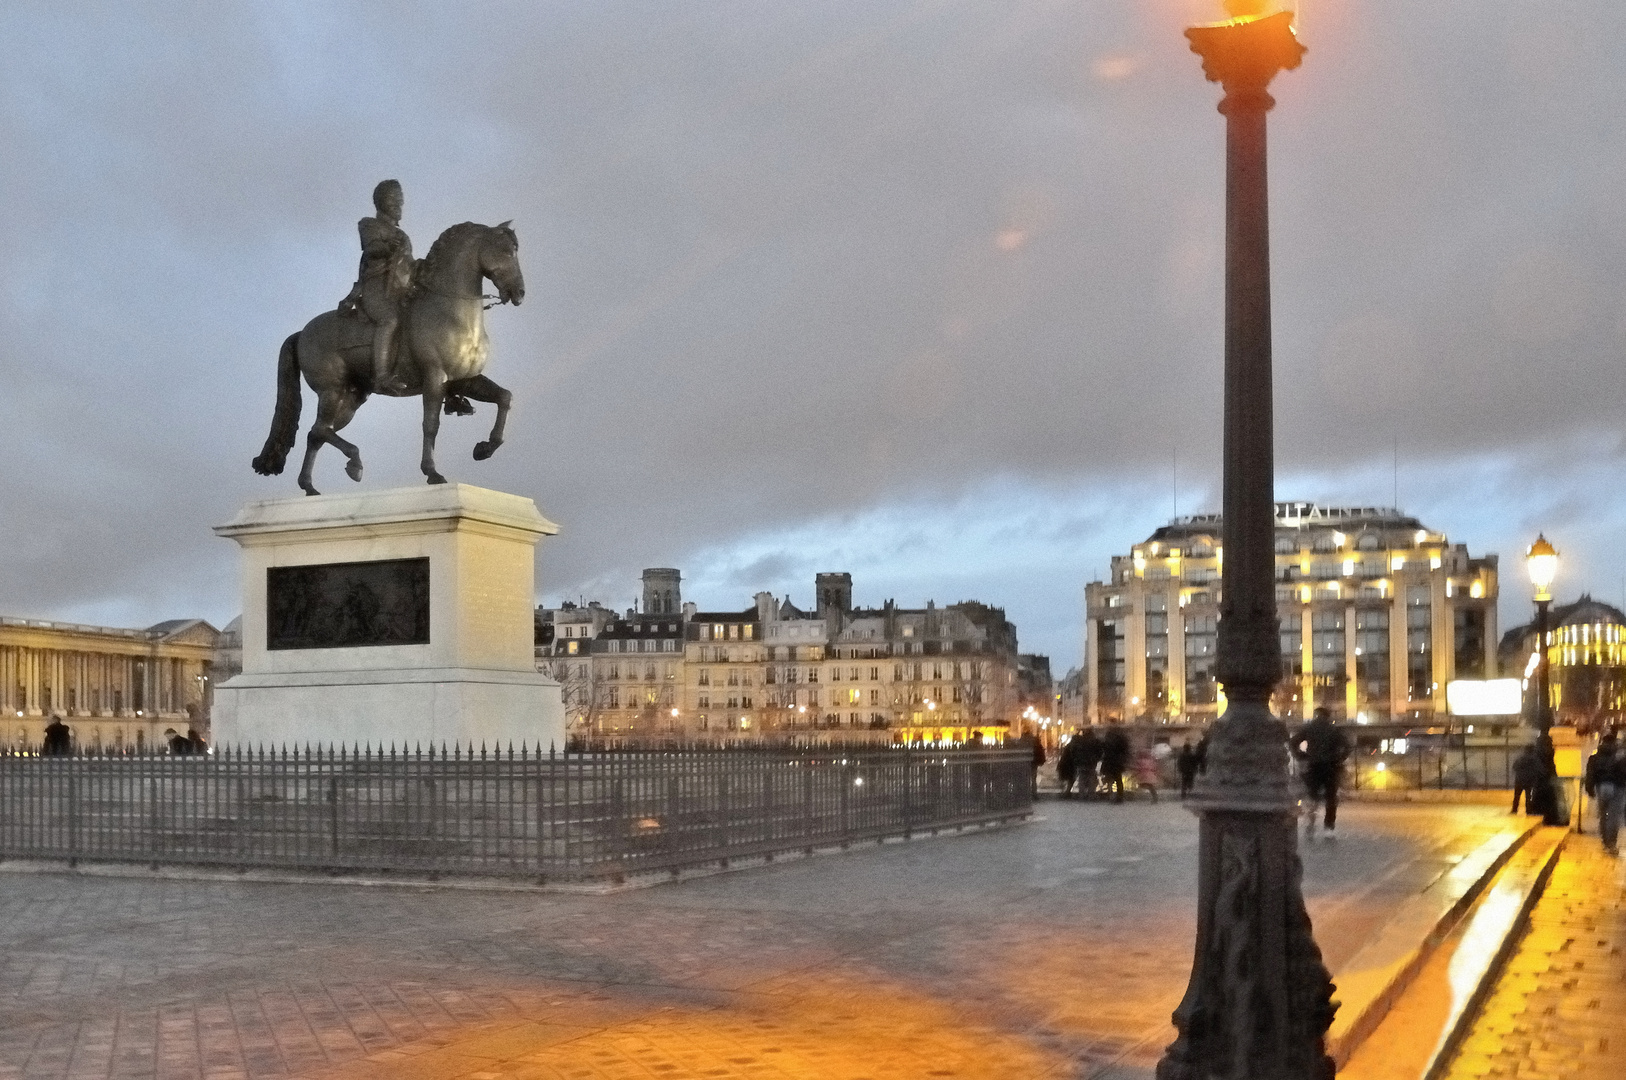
(346, 605)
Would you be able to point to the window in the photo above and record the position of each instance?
(704, 678)
(874, 674)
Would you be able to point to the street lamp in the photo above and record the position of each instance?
(1260, 999)
(1542, 561)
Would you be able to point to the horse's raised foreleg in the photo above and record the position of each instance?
(434, 394)
(334, 409)
(480, 388)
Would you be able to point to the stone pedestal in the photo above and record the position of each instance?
(399, 617)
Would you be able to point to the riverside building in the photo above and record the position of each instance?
(1378, 613)
(773, 672)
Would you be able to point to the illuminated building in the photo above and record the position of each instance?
(773, 672)
(1377, 613)
(1587, 659)
(116, 689)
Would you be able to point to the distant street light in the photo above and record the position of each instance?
(1260, 999)
(1542, 562)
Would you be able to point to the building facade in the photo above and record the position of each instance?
(117, 690)
(1377, 613)
(1586, 661)
(773, 672)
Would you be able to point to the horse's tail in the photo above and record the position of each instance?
(285, 421)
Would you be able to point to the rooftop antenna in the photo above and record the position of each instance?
(1177, 484)
(1396, 503)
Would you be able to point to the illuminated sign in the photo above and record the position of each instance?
(1484, 697)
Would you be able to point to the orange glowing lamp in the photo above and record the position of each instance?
(1245, 51)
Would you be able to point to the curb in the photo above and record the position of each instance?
(1374, 979)
(1460, 1024)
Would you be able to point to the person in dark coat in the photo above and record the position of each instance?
(1114, 760)
(1606, 782)
(1067, 767)
(1322, 749)
(1087, 758)
(58, 740)
(178, 744)
(197, 745)
(1543, 797)
(1186, 762)
(1202, 755)
(1526, 772)
(1036, 748)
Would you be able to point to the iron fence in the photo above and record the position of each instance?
(539, 815)
(1397, 758)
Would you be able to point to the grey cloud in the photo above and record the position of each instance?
(784, 261)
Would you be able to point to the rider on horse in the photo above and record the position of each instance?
(383, 281)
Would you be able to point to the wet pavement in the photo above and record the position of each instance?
(1054, 949)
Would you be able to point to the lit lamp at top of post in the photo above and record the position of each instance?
(1542, 559)
(1246, 50)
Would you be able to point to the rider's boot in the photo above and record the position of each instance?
(384, 382)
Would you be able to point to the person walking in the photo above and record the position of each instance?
(1114, 760)
(1067, 767)
(58, 739)
(1087, 759)
(1526, 771)
(1605, 782)
(1322, 749)
(1146, 771)
(1186, 763)
(1036, 748)
(1202, 755)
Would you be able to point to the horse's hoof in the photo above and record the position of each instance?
(311, 491)
(436, 478)
(353, 470)
(484, 450)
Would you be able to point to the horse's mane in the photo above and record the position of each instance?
(439, 251)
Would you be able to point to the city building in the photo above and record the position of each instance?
(117, 690)
(1378, 614)
(773, 672)
(1586, 663)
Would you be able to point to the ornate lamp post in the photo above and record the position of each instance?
(1260, 998)
(1542, 561)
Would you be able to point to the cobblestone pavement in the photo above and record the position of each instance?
(1055, 949)
(1558, 1009)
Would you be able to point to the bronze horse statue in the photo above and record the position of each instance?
(442, 354)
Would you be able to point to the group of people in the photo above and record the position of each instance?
(58, 740)
(1100, 766)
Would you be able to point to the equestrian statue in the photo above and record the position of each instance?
(407, 328)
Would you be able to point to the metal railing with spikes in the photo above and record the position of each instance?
(543, 815)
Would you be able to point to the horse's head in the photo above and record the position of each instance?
(499, 262)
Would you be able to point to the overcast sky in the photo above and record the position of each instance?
(930, 291)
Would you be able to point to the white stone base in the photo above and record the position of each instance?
(403, 707)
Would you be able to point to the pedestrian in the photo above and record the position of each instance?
(198, 746)
(1087, 760)
(1036, 748)
(1114, 760)
(1067, 767)
(1549, 801)
(1605, 781)
(1146, 771)
(1526, 772)
(178, 745)
(58, 739)
(1202, 755)
(1186, 762)
(1322, 749)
